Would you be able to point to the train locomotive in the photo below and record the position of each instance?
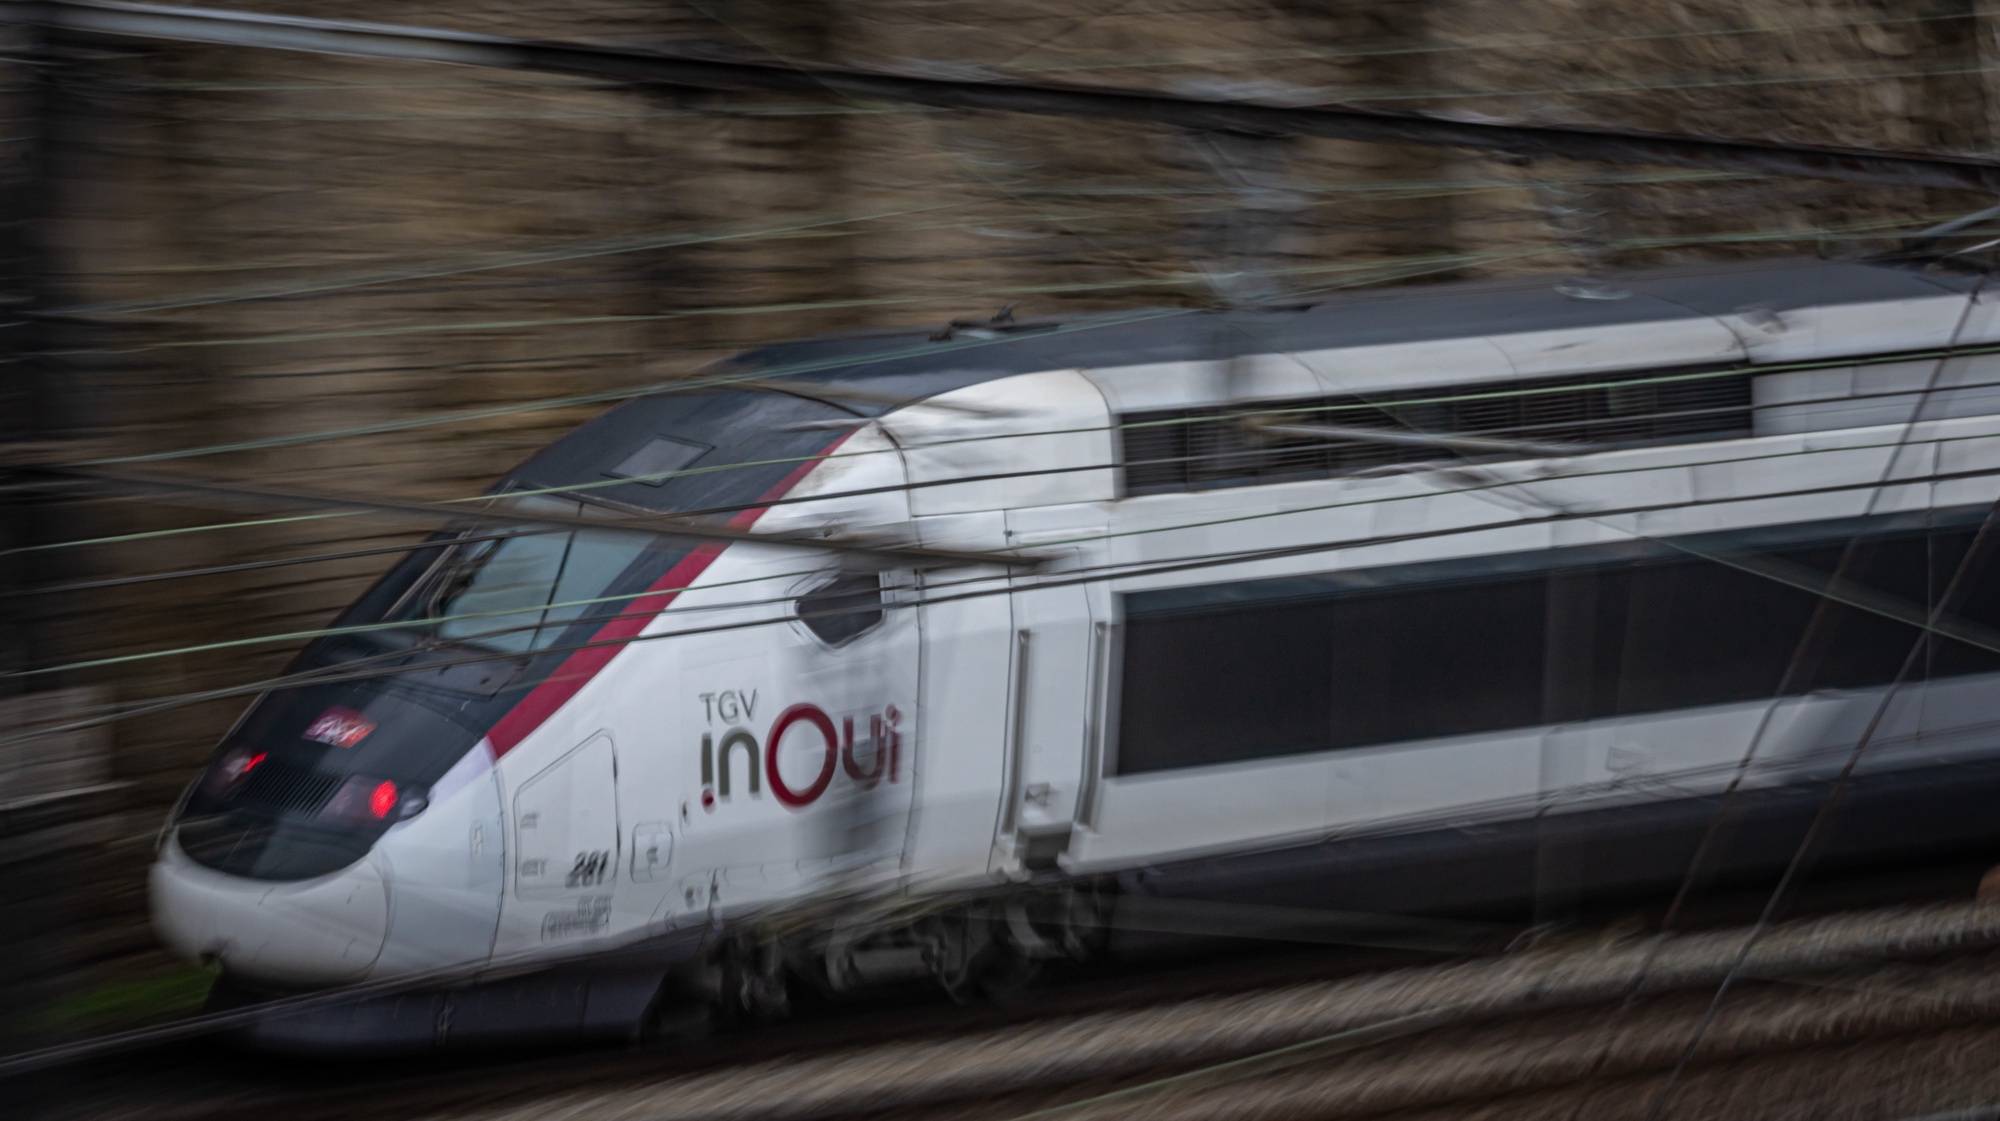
(1405, 602)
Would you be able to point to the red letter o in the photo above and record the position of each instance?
(785, 794)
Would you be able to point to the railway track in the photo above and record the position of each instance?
(196, 1078)
(1578, 1023)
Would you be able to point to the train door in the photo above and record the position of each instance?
(566, 838)
(1053, 757)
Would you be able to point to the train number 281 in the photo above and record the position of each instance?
(588, 869)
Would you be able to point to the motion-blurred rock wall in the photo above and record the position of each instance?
(378, 276)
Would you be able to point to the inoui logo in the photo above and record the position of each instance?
(866, 764)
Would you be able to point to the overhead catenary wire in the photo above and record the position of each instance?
(1263, 1062)
(1269, 410)
(1826, 807)
(663, 524)
(1277, 409)
(830, 226)
(407, 116)
(1816, 829)
(1871, 231)
(1173, 280)
(1249, 412)
(1094, 538)
(525, 258)
(1513, 44)
(1105, 216)
(105, 583)
(1974, 636)
(1806, 846)
(676, 385)
(689, 384)
(1387, 1029)
(1376, 186)
(821, 226)
(598, 397)
(1711, 835)
(1690, 82)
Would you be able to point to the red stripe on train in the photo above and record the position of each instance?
(582, 665)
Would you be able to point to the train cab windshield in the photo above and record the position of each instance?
(313, 775)
(514, 591)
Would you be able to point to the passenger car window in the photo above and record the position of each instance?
(844, 608)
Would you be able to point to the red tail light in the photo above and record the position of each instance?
(364, 798)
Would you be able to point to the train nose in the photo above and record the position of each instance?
(309, 932)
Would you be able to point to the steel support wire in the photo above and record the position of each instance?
(665, 525)
(1834, 589)
(1272, 413)
(930, 348)
(325, 282)
(1971, 635)
(1385, 271)
(419, 44)
(1808, 844)
(1513, 45)
(108, 582)
(1815, 627)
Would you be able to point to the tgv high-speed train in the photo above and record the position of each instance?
(1412, 601)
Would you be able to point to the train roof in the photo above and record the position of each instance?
(1126, 353)
(913, 365)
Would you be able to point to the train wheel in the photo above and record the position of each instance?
(752, 983)
(972, 958)
(684, 1011)
(1008, 976)
(673, 1023)
(955, 945)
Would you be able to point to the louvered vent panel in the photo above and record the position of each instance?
(281, 788)
(1201, 449)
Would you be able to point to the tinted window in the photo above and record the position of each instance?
(841, 610)
(1271, 668)
(1293, 676)
(1198, 449)
(517, 593)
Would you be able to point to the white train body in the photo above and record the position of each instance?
(1282, 674)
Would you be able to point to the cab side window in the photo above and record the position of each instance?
(844, 608)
